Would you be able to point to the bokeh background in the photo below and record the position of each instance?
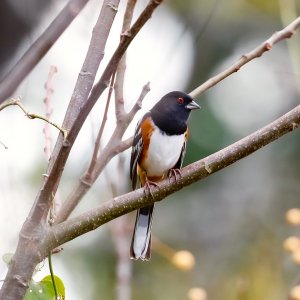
(233, 224)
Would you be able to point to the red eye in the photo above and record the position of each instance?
(180, 100)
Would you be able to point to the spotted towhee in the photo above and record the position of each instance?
(158, 147)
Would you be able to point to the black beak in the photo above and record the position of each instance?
(192, 105)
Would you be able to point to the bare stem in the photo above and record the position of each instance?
(29, 115)
(267, 45)
(119, 90)
(100, 133)
(138, 105)
(5, 147)
(52, 275)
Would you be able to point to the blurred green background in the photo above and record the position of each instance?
(233, 222)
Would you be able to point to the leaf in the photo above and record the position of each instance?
(43, 290)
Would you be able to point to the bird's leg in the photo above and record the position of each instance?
(174, 173)
(147, 186)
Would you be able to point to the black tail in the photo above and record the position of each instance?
(141, 239)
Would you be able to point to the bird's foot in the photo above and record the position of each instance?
(174, 173)
(148, 187)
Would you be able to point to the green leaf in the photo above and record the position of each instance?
(43, 290)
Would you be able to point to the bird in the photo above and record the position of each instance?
(158, 149)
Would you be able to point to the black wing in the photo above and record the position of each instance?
(136, 151)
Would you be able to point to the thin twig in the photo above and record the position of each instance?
(196, 171)
(267, 45)
(119, 85)
(5, 147)
(100, 133)
(17, 102)
(138, 104)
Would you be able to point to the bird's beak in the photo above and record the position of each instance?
(193, 105)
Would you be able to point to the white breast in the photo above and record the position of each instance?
(163, 153)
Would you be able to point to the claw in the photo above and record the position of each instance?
(174, 172)
(147, 187)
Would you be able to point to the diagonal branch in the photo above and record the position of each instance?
(39, 48)
(267, 45)
(121, 205)
(93, 161)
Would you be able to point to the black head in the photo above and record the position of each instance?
(171, 113)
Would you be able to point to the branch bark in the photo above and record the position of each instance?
(90, 220)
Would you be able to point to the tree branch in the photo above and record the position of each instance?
(39, 48)
(120, 75)
(267, 45)
(93, 161)
(29, 115)
(90, 220)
